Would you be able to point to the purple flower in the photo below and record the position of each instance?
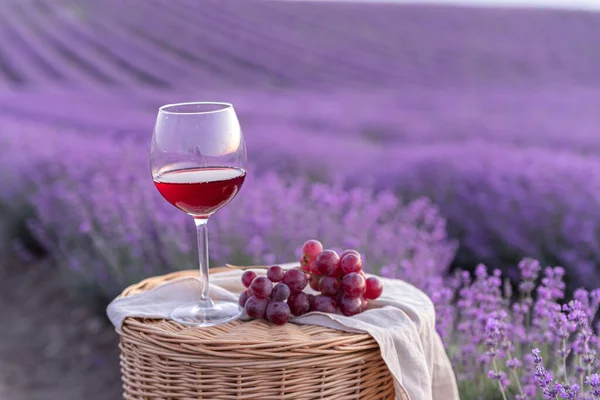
(544, 378)
(578, 314)
(529, 269)
(570, 392)
(553, 391)
(514, 363)
(594, 382)
(536, 356)
(500, 377)
(561, 326)
(495, 333)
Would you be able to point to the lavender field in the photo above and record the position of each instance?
(428, 137)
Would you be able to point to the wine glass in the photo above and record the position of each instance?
(198, 162)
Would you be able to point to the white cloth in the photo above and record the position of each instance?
(402, 321)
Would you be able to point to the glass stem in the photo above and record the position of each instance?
(202, 230)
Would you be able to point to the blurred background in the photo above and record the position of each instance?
(429, 136)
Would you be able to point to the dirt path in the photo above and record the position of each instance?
(51, 346)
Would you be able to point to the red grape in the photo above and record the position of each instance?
(295, 279)
(275, 273)
(312, 248)
(248, 277)
(261, 287)
(350, 263)
(350, 305)
(314, 282)
(313, 268)
(346, 252)
(364, 304)
(244, 296)
(280, 292)
(328, 285)
(324, 304)
(362, 273)
(353, 285)
(278, 312)
(256, 307)
(374, 288)
(328, 263)
(304, 266)
(338, 296)
(311, 300)
(299, 303)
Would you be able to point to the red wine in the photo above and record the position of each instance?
(200, 191)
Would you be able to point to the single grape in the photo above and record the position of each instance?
(256, 307)
(275, 273)
(278, 312)
(350, 305)
(374, 288)
(248, 277)
(362, 273)
(328, 285)
(261, 287)
(350, 263)
(311, 300)
(244, 296)
(325, 304)
(299, 303)
(295, 279)
(280, 292)
(312, 248)
(328, 263)
(353, 285)
(314, 282)
(346, 252)
(364, 304)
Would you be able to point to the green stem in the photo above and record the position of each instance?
(564, 351)
(515, 376)
(499, 383)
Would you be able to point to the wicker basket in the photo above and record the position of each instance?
(162, 359)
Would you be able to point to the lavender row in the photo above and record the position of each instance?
(506, 196)
(385, 119)
(295, 44)
(93, 206)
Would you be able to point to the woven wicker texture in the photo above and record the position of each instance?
(162, 359)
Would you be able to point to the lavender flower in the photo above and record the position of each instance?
(570, 392)
(594, 382)
(494, 333)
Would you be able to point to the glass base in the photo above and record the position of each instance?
(206, 313)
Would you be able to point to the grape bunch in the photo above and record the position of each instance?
(266, 296)
(339, 278)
